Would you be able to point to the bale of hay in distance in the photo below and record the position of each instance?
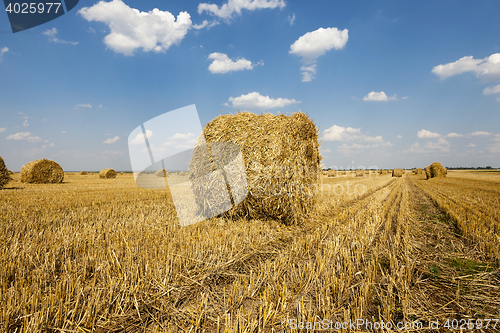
(427, 171)
(397, 172)
(360, 173)
(332, 173)
(437, 170)
(42, 171)
(84, 173)
(161, 173)
(382, 172)
(4, 174)
(282, 164)
(107, 173)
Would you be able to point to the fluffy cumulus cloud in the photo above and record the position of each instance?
(222, 64)
(346, 134)
(440, 146)
(454, 135)
(492, 90)
(425, 134)
(315, 44)
(3, 129)
(480, 133)
(488, 67)
(254, 100)
(111, 140)
(131, 29)
(378, 97)
(24, 136)
(234, 7)
(139, 138)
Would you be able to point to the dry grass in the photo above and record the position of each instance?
(92, 255)
(107, 173)
(42, 171)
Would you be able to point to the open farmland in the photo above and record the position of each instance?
(102, 255)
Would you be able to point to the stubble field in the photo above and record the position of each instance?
(103, 255)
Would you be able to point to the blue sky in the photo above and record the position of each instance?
(389, 83)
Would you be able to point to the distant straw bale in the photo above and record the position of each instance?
(281, 159)
(42, 171)
(161, 173)
(360, 173)
(107, 173)
(4, 174)
(437, 170)
(332, 173)
(84, 173)
(382, 172)
(427, 171)
(397, 172)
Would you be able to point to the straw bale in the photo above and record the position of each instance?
(332, 173)
(427, 171)
(360, 173)
(437, 170)
(4, 174)
(281, 159)
(42, 171)
(161, 173)
(84, 173)
(397, 172)
(107, 173)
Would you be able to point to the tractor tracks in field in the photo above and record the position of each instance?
(454, 279)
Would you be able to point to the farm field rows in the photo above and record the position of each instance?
(104, 255)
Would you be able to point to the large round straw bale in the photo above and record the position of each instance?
(4, 174)
(282, 163)
(360, 173)
(332, 173)
(41, 172)
(84, 173)
(161, 173)
(107, 173)
(437, 170)
(397, 172)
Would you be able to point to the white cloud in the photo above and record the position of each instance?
(454, 135)
(64, 132)
(441, 146)
(291, 19)
(221, 64)
(425, 134)
(2, 51)
(492, 90)
(308, 72)
(24, 136)
(227, 10)
(327, 150)
(487, 67)
(339, 133)
(254, 100)
(480, 133)
(399, 137)
(205, 24)
(378, 96)
(139, 138)
(314, 44)
(3, 129)
(131, 29)
(111, 140)
(471, 145)
(25, 123)
(83, 106)
(51, 33)
(52, 144)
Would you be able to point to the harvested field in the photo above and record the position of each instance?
(95, 255)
